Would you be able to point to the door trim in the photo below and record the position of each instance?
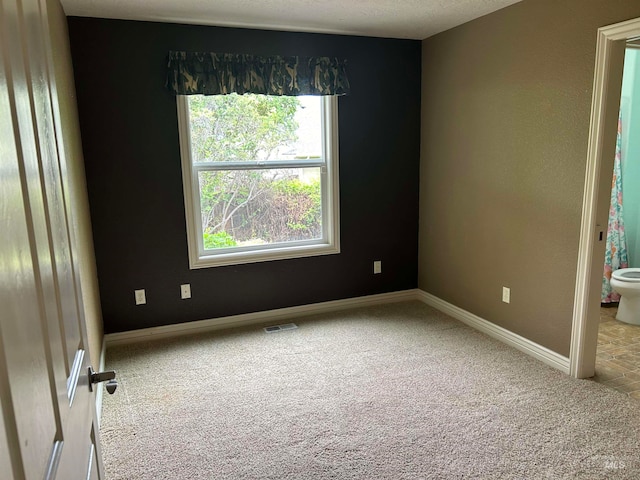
(583, 347)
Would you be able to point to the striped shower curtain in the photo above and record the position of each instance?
(616, 247)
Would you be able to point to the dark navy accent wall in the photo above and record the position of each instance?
(130, 140)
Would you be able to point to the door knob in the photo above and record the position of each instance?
(106, 376)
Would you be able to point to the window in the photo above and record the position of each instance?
(260, 177)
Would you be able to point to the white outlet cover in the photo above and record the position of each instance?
(377, 266)
(140, 296)
(185, 291)
(506, 294)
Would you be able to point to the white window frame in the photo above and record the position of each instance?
(327, 245)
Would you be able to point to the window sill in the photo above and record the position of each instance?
(219, 260)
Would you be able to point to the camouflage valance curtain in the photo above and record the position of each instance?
(221, 73)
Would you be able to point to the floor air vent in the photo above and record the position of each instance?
(280, 328)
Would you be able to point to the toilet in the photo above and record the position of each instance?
(626, 282)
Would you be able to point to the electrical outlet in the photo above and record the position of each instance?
(377, 266)
(141, 298)
(506, 294)
(185, 291)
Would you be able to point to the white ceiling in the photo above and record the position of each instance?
(414, 19)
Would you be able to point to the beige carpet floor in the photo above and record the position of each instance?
(398, 391)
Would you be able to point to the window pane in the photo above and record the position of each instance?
(260, 207)
(254, 127)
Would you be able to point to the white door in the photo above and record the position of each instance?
(47, 424)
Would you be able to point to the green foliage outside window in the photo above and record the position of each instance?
(218, 240)
(240, 127)
(252, 206)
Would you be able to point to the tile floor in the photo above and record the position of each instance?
(618, 355)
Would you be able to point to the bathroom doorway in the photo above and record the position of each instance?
(610, 53)
(618, 350)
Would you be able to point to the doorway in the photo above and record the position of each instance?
(618, 352)
(605, 106)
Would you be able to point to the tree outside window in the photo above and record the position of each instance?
(258, 170)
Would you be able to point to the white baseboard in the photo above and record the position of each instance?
(246, 319)
(506, 336)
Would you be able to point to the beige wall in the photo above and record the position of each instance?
(78, 189)
(505, 122)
